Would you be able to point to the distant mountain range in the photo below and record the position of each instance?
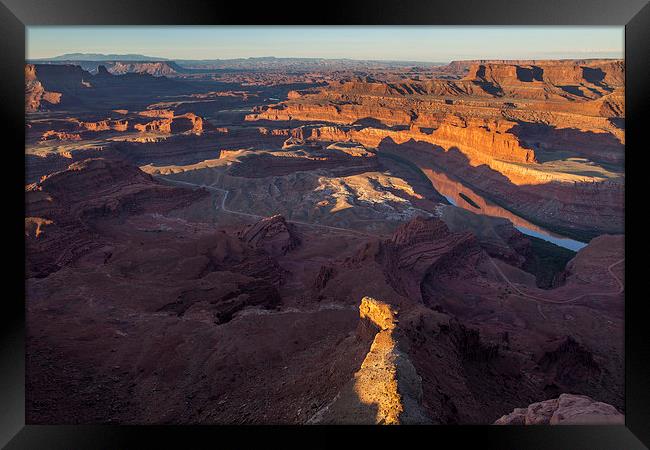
(120, 64)
(270, 61)
(101, 57)
(251, 61)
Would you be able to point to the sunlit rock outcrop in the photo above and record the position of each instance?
(567, 409)
(386, 390)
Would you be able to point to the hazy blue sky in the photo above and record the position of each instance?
(392, 43)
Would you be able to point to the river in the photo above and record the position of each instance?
(454, 192)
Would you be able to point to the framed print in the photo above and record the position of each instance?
(261, 222)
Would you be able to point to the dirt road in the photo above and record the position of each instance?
(573, 299)
(256, 216)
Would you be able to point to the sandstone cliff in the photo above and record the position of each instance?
(49, 85)
(170, 123)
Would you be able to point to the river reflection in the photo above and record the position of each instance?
(459, 195)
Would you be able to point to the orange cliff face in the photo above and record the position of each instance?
(488, 85)
(555, 71)
(526, 132)
(546, 80)
(487, 115)
(59, 135)
(35, 93)
(482, 143)
(169, 123)
(75, 129)
(342, 114)
(49, 85)
(105, 125)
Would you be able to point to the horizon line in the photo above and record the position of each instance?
(591, 55)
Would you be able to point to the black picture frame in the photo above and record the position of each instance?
(15, 15)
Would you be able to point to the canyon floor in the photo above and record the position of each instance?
(352, 245)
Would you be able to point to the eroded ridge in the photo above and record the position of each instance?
(386, 389)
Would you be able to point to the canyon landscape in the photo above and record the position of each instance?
(324, 241)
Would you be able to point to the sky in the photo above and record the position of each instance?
(397, 43)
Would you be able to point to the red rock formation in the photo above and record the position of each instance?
(198, 124)
(35, 226)
(474, 116)
(422, 246)
(480, 155)
(481, 142)
(47, 85)
(61, 136)
(386, 389)
(273, 234)
(555, 72)
(181, 149)
(171, 123)
(343, 113)
(325, 274)
(275, 131)
(105, 125)
(158, 113)
(69, 201)
(162, 126)
(569, 364)
(485, 135)
(191, 290)
(35, 93)
(164, 301)
(298, 156)
(568, 409)
(550, 79)
(52, 84)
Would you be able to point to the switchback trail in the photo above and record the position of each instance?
(256, 216)
(572, 299)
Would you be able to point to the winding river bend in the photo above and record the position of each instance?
(463, 197)
(459, 195)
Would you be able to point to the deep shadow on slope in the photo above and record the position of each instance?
(522, 200)
(174, 150)
(559, 144)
